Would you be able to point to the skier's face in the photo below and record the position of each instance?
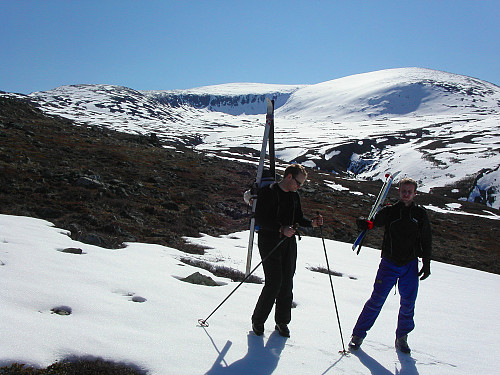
(407, 193)
(298, 182)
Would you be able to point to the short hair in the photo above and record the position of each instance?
(295, 170)
(408, 180)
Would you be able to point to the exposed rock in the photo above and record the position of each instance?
(72, 250)
(62, 310)
(89, 182)
(198, 278)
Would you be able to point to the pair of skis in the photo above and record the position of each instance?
(259, 180)
(389, 178)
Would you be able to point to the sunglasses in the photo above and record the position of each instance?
(299, 184)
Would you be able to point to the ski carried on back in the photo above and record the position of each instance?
(389, 178)
(262, 180)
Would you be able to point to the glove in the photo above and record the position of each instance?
(364, 224)
(425, 271)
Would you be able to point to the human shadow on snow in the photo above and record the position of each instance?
(260, 359)
(407, 364)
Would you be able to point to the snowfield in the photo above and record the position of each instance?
(130, 305)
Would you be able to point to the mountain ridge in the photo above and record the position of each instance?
(232, 98)
(438, 127)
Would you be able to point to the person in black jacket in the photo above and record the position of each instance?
(407, 237)
(278, 213)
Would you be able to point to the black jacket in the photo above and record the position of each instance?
(407, 233)
(276, 208)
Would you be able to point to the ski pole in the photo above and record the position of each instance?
(333, 291)
(203, 322)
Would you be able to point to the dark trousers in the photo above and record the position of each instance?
(279, 270)
(387, 276)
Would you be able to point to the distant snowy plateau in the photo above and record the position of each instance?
(437, 127)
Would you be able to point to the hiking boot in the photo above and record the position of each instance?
(402, 344)
(355, 342)
(258, 328)
(282, 329)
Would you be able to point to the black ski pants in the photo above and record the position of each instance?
(279, 270)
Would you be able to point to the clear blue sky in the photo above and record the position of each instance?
(164, 45)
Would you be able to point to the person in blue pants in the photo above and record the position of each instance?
(407, 237)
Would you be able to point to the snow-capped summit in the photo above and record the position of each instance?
(395, 92)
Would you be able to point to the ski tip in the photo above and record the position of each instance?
(270, 107)
(391, 176)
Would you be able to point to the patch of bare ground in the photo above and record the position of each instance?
(108, 188)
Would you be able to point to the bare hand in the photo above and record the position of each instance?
(288, 231)
(317, 221)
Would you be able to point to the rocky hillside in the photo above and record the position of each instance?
(108, 188)
(440, 128)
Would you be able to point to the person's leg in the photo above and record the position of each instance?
(386, 278)
(408, 289)
(284, 299)
(273, 279)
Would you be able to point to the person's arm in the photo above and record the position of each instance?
(380, 218)
(426, 236)
(378, 221)
(426, 243)
(301, 220)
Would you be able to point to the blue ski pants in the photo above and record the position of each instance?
(387, 276)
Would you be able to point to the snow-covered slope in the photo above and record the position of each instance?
(437, 127)
(394, 93)
(130, 306)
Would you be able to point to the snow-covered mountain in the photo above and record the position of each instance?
(440, 128)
